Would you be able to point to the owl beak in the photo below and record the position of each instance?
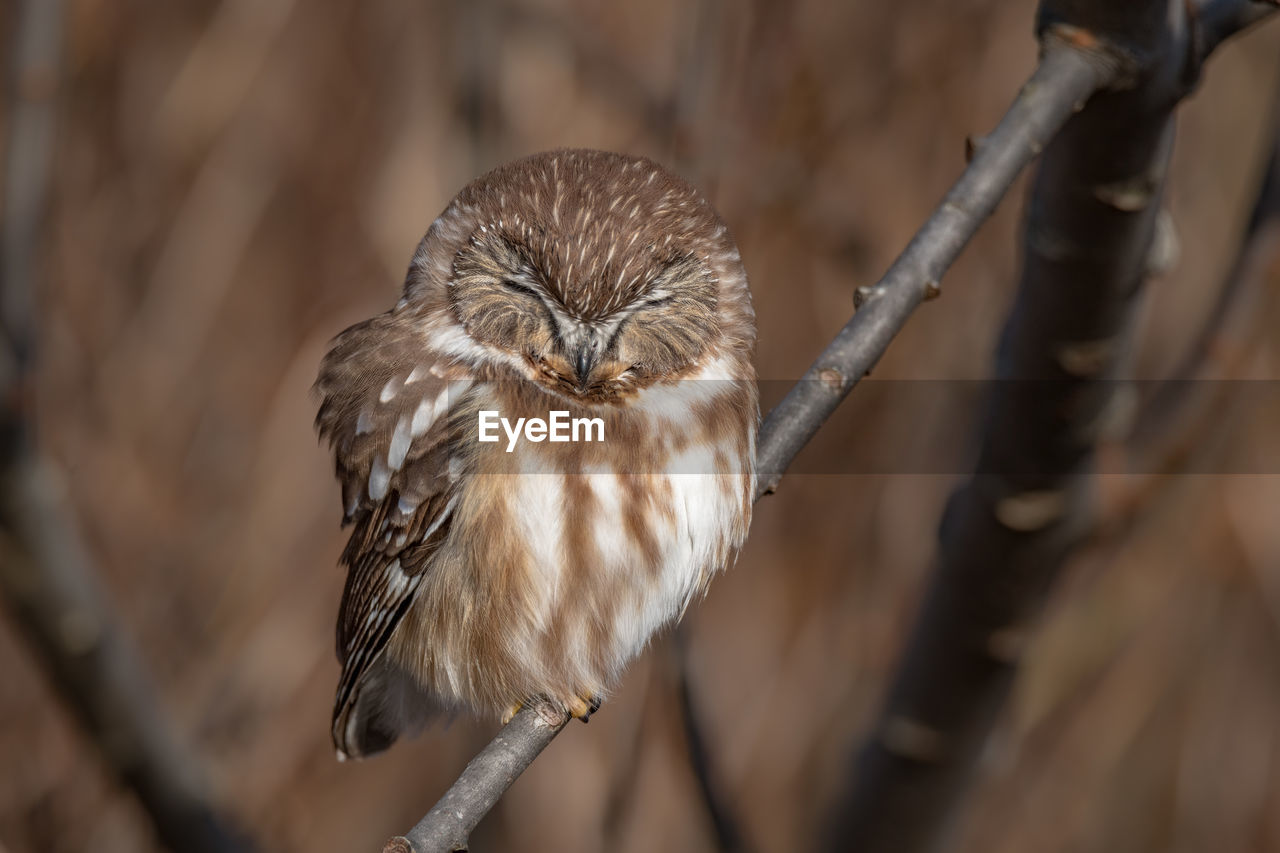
(586, 355)
(585, 361)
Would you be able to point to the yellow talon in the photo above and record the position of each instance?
(582, 708)
(578, 708)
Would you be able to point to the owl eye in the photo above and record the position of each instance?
(516, 287)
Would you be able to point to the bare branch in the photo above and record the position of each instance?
(1219, 20)
(1006, 532)
(33, 80)
(51, 586)
(46, 576)
(725, 826)
(1064, 80)
(449, 823)
(1187, 411)
(1264, 221)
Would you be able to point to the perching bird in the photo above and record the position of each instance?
(489, 574)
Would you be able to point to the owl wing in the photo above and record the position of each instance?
(384, 410)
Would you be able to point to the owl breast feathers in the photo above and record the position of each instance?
(573, 287)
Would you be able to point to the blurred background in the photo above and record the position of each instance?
(235, 181)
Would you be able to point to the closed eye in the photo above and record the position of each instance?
(516, 287)
(663, 298)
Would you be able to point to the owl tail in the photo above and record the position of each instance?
(386, 704)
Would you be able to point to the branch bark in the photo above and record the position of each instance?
(1007, 531)
(1063, 81)
(46, 576)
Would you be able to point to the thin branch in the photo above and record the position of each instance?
(33, 82)
(1184, 418)
(629, 764)
(725, 826)
(1169, 401)
(1063, 81)
(1219, 20)
(46, 576)
(1007, 531)
(449, 823)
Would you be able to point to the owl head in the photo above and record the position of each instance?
(593, 274)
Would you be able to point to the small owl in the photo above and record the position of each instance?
(499, 554)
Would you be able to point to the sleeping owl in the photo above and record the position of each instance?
(492, 565)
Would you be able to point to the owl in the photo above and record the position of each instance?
(499, 555)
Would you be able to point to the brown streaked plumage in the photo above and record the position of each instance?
(577, 281)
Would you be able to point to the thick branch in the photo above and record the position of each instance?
(1064, 80)
(46, 576)
(50, 585)
(1007, 531)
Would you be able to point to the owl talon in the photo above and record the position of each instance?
(581, 708)
(511, 712)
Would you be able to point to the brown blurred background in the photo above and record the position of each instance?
(237, 180)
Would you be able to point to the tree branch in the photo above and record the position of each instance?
(1006, 532)
(1219, 20)
(725, 827)
(46, 576)
(1178, 401)
(1064, 79)
(1189, 412)
(449, 823)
